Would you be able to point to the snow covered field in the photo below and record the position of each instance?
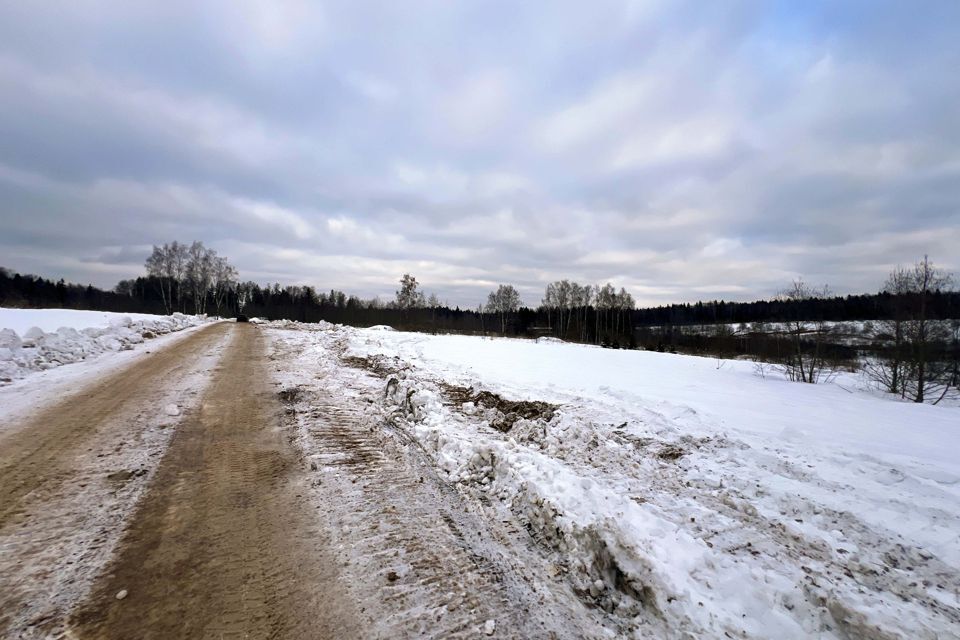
(40, 339)
(677, 497)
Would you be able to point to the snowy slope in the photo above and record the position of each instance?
(40, 339)
(686, 495)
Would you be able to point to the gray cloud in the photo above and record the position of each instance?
(683, 151)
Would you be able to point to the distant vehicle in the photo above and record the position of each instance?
(243, 318)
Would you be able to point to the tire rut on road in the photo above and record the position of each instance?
(223, 544)
(41, 453)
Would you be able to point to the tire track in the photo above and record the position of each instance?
(433, 585)
(420, 558)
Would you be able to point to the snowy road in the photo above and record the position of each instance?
(311, 481)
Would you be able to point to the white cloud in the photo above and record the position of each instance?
(275, 215)
(476, 106)
(611, 107)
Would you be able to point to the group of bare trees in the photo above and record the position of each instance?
(569, 304)
(918, 355)
(191, 275)
(920, 360)
(574, 311)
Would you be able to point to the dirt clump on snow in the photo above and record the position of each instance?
(509, 411)
(123, 475)
(289, 395)
(381, 366)
(670, 452)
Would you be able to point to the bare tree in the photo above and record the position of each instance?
(888, 370)
(199, 274)
(549, 303)
(503, 301)
(924, 333)
(244, 294)
(606, 302)
(178, 271)
(624, 304)
(805, 362)
(580, 299)
(224, 281)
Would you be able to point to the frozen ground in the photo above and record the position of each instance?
(39, 339)
(676, 496)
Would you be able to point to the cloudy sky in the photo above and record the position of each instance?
(686, 151)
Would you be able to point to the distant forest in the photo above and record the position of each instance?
(910, 346)
(146, 294)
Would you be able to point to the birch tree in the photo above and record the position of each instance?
(158, 267)
(505, 300)
(224, 281)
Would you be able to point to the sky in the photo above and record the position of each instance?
(682, 150)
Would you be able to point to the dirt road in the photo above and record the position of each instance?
(222, 545)
(41, 452)
(215, 543)
(71, 471)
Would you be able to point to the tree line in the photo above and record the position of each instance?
(911, 354)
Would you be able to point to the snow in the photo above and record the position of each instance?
(34, 340)
(49, 320)
(690, 495)
(734, 397)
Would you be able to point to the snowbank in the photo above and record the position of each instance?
(690, 495)
(49, 320)
(41, 339)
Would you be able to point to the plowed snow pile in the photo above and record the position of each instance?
(677, 497)
(40, 339)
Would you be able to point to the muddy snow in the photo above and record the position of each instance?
(664, 494)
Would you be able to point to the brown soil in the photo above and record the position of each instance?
(509, 410)
(380, 365)
(223, 545)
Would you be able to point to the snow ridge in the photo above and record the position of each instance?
(39, 350)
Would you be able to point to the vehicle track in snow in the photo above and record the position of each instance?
(421, 559)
